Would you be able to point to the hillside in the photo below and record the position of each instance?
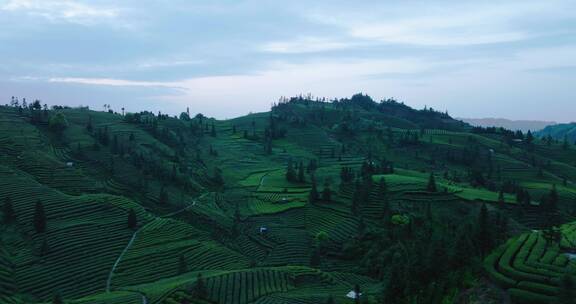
(302, 204)
(560, 132)
(522, 125)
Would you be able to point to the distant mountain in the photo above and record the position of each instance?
(559, 131)
(522, 125)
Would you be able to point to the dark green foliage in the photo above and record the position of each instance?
(313, 196)
(163, 196)
(199, 290)
(39, 218)
(327, 193)
(89, 126)
(567, 294)
(58, 123)
(346, 175)
(330, 300)
(44, 248)
(182, 264)
(132, 219)
(315, 258)
(8, 213)
(431, 186)
(57, 299)
(218, 178)
(483, 234)
(357, 291)
(291, 172)
(301, 177)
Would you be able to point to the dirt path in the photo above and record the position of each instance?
(109, 280)
(117, 262)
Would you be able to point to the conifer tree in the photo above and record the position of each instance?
(313, 196)
(199, 290)
(132, 219)
(431, 187)
(301, 177)
(327, 193)
(290, 172)
(483, 236)
(357, 292)
(39, 218)
(501, 197)
(552, 199)
(213, 131)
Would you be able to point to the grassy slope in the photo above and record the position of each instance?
(87, 207)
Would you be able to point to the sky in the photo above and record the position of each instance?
(511, 59)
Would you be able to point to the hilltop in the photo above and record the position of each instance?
(522, 125)
(305, 203)
(560, 132)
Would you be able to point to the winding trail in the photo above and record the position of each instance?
(111, 274)
(109, 280)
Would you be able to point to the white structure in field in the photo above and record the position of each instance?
(352, 295)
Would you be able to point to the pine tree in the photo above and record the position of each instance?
(315, 258)
(501, 197)
(213, 131)
(89, 126)
(327, 193)
(301, 177)
(356, 198)
(529, 138)
(199, 290)
(132, 219)
(313, 196)
(8, 211)
(483, 236)
(39, 218)
(552, 201)
(357, 291)
(290, 172)
(565, 144)
(431, 187)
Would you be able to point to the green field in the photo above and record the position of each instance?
(217, 199)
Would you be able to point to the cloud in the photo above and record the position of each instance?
(423, 24)
(114, 82)
(305, 45)
(62, 10)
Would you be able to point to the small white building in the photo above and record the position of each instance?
(263, 229)
(69, 164)
(352, 295)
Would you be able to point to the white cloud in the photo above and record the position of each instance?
(114, 82)
(305, 45)
(62, 10)
(167, 63)
(424, 24)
